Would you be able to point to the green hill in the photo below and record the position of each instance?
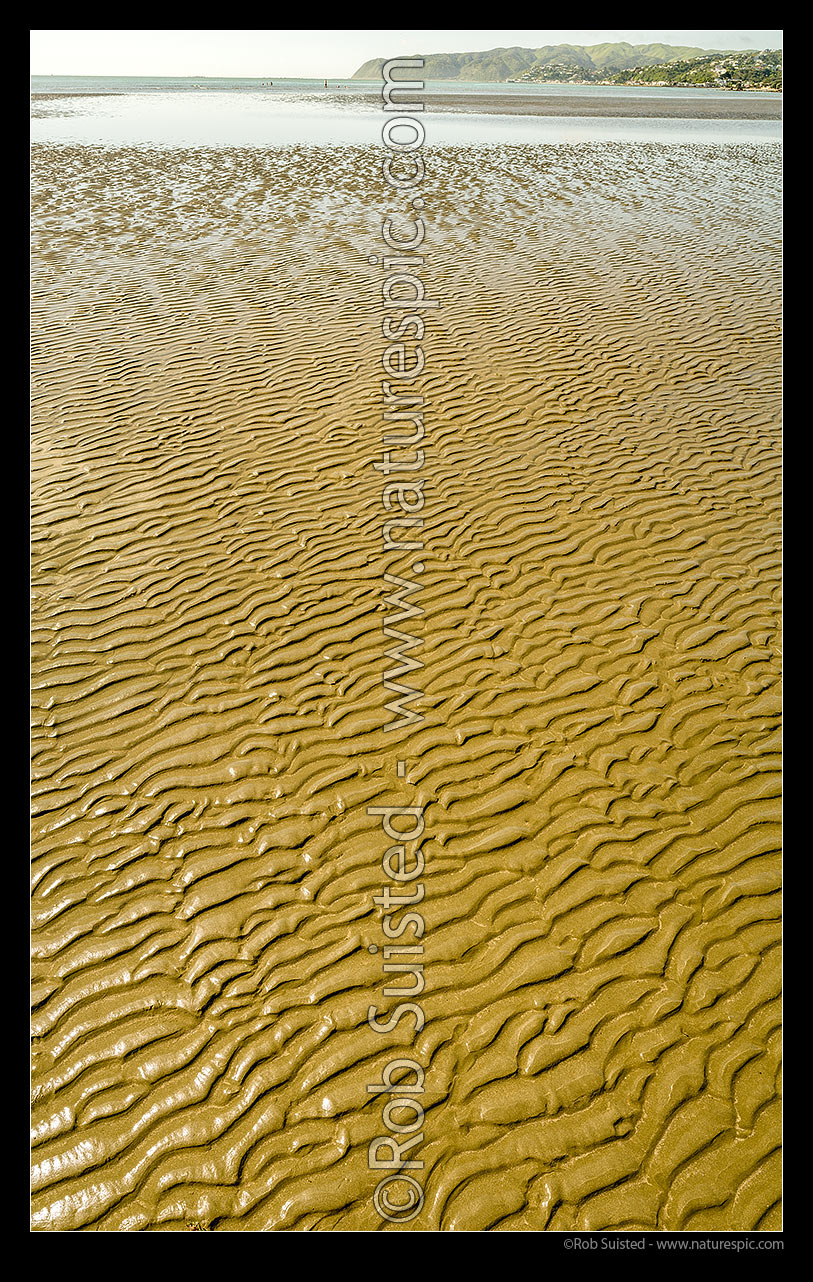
(552, 62)
(754, 69)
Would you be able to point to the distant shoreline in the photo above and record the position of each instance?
(653, 84)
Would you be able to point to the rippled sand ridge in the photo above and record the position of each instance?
(599, 757)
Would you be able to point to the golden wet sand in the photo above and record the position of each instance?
(598, 763)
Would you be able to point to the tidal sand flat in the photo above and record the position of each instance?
(597, 763)
(695, 105)
(729, 106)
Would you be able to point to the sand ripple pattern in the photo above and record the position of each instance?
(599, 760)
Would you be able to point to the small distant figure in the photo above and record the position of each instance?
(326, 84)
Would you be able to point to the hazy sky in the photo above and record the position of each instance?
(313, 53)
